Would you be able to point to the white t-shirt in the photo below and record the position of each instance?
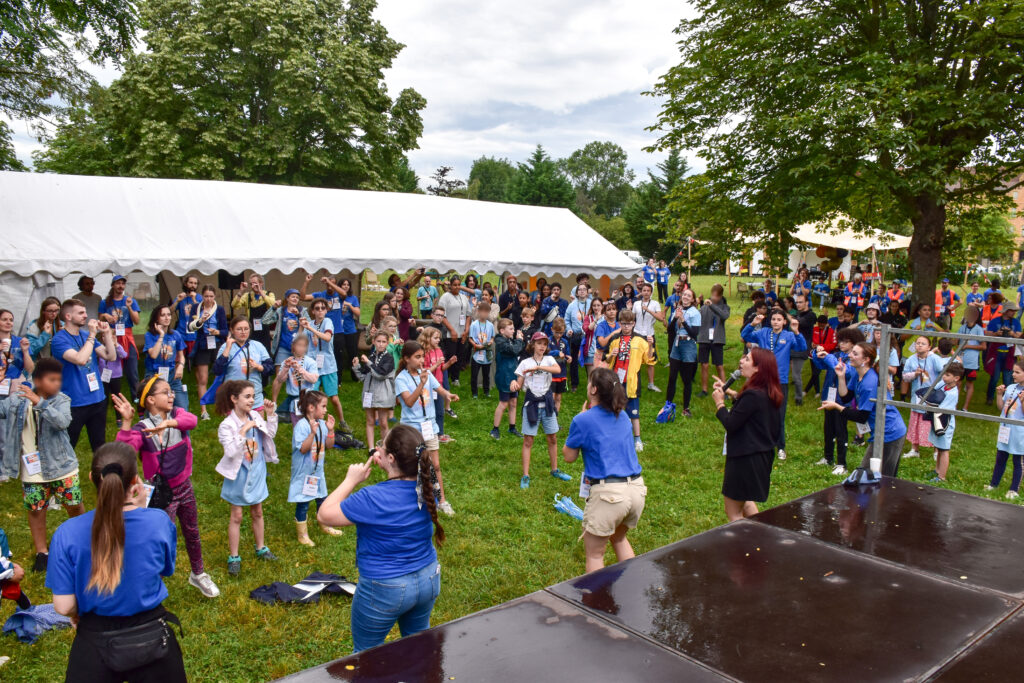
(645, 319)
(537, 382)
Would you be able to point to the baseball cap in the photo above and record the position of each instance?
(538, 336)
(289, 292)
(945, 280)
(118, 277)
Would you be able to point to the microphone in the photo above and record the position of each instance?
(735, 375)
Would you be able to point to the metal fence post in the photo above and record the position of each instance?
(883, 387)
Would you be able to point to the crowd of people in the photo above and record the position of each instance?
(534, 346)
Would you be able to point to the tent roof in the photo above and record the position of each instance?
(834, 235)
(67, 224)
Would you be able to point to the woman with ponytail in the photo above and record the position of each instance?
(105, 573)
(612, 483)
(395, 520)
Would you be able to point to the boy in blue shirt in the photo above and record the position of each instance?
(481, 338)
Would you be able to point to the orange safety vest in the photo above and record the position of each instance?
(941, 307)
(987, 313)
(856, 298)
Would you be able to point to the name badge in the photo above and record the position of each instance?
(621, 372)
(94, 385)
(367, 399)
(320, 362)
(584, 488)
(462, 320)
(1004, 434)
(433, 395)
(163, 373)
(298, 408)
(32, 464)
(862, 428)
(427, 429)
(257, 325)
(245, 365)
(5, 387)
(311, 486)
(149, 493)
(119, 329)
(106, 375)
(211, 342)
(711, 334)
(335, 304)
(832, 393)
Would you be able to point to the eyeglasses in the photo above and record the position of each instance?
(165, 392)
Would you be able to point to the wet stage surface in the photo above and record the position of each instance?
(897, 582)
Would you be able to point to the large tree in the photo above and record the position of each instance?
(276, 91)
(445, 184)
(800, 108)
(540, 182)
(602, 177)
(493, 176)
(646, 203)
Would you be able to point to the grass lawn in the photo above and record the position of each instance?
(502, 543)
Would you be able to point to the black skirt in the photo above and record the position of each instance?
(748, 477)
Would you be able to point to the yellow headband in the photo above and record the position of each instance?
(145, 391)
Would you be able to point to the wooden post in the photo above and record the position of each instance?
(689, 258)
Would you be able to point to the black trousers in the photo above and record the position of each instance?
(662, 292)
(836, 436)
(455, 348)
(575, 342)
(94, 418)
(815, 381)
(677, 368)
(346, 347)
(85, 663)
(478, 368)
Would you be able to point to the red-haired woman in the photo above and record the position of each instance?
(751, 429)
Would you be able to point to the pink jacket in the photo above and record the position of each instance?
(177, 459)
(230, 437)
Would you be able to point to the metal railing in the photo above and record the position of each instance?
(883, 387)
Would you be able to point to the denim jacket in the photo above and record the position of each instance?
(53, 415)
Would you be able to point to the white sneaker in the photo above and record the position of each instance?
(652, 387)
(839, 470)
(823, 461)
(782, 454)
(204, 583)
(1011, 495)
(989, 488)
(446, 508)
(914, 453)
(639, 445)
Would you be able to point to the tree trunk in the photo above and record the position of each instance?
(926, 248)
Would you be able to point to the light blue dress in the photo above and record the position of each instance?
(931, 364)
(255, 351)
(1014, 445)
(249, 487)
(944, 442)
(303, 465)
(318, 348)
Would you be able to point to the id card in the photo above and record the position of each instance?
(1004, 434)
(427, 429)
(584, 488)
(257, 325)
(119, 329)
(433, 396)
(94, 385)
(320, 362)
(862, 428)
(621, 372)
(832, 393)
(335, 304)
(5, 387)
(367, 399)
(297, 407)
(311, 486)
(32, 464)
(106, 375)
(163, 373)
(211, 342)
(149, 493)
(711, 334)
(462, 320)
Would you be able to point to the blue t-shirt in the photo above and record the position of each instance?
(663, 275)
(318, 348)
(650, 273)
(423, 409)
(76, 377)
(348, 319)
(973, 298)
(482, 333)
(988, 291)
(289, 323)
(997, 324)
(1020, 295)
(393, 534)
(972, 357)
(426, 296)
(333, 300)
(186, 310)
(149, 553)
(671, 301)
(603, 329)
(866, 389)
(606, 441)
(117, 308)
(173, 343)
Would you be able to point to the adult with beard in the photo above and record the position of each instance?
(508, 301)
(185, 305)
(121, 312)
(253, 302)
(805, 319)
(90, 299)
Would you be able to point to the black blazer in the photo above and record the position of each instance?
(752, 426)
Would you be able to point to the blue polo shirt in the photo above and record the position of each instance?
(76, 380)
(606, 443)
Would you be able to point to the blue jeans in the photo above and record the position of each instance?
(999, 375)
(407, 599)
(180, 395)
(302, 509)
(822, 298)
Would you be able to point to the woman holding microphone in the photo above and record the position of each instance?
(751, 431)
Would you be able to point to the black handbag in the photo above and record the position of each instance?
(137, 646)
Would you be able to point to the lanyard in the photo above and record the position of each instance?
(1008, 408)
(78, 347)
(245, 352)
(317, 440)
(319, 328)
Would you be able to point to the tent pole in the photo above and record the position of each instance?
(689, 258)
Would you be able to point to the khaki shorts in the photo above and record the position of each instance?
(433, 444)
(611, 505)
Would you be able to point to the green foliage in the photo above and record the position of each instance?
(267, 91)
(601, 176)
(800, 108)
(493, 176)
(540, 182)
(978, 233)
(41, 43)
(445, 185)
(405, 178)
(613, 229)
(8, 159)
(649, 233)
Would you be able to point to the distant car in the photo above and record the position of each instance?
(634, 255)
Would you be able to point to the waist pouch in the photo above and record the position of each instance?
(136, 646)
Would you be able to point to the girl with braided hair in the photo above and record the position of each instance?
(396, 523)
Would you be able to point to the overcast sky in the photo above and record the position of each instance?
(501, 77)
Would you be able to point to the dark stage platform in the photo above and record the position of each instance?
(901, 582)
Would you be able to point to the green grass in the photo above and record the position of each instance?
(502, 543)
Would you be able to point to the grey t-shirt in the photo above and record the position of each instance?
(457, 310)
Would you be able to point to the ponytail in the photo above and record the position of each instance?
(411, 456)
(113, 472)
(611, 395)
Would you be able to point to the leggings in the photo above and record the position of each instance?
(1018, 469)
(662, 291)
(94, 418)
(782, 416)
(815, 381)
(302, 509)
(183, 504)
(86, 663)
(836, 436)
(686, 370)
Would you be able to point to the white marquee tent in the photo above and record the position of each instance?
(79, 224)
